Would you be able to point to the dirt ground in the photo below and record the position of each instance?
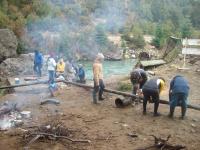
(105, 125)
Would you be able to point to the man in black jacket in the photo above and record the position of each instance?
(151, 91)
(138, 78)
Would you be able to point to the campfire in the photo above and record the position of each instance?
(10, 116)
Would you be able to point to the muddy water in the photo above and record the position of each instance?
(110, 67)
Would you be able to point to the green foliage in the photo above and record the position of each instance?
(124, 86)
(186, 28)
(134, 38)
(21, 47)
(100, 36)
(131, 18)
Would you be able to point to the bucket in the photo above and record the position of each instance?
(16, 80)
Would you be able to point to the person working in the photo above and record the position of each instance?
(151, 91)
(138, 78)
(178, 94)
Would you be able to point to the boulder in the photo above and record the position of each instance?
(22, 65)
(113, 56)
(8, 44)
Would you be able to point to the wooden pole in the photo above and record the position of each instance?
(27, 84)
(91, 87)
(126, 94)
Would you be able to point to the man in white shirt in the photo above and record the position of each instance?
(51, 67)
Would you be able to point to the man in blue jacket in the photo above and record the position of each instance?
(38, 61)
(81, 74)
(178, 94)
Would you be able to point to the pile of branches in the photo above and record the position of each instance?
(53, 131)
(163, 144)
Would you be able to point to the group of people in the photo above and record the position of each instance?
(57, 69)
(151, 89)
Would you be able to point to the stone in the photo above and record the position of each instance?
(16, 66)
(8, 44)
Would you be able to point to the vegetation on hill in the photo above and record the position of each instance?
(82, 26)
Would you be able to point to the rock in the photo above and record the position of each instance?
(8, 44)
(194, 120)
(113, 56)
(50, 101)
(193, 125)
(16, 66)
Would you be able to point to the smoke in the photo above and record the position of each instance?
(69, 29)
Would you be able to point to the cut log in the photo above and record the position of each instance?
(123, 102)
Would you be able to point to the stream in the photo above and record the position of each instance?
(110, 68)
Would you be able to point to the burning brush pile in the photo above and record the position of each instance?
(51, 131)
(10, 116)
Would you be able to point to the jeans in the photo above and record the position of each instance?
(51, 76)
(37, 69)
(178, 99)
(98, 89)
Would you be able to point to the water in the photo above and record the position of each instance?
(122, 67)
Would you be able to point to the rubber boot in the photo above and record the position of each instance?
(94, 97)
(101, 98)
(171, 113)
(144, 107)
(156, 104)
(183, 112)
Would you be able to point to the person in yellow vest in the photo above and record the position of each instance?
(98, 78)
(60, 67)
(151, 91)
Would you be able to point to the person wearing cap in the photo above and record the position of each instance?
(81, 73)
(98, 78)
(178, 94)
(151, 91)
(60, 67)
(38, 61)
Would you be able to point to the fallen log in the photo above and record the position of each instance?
(27, 84)
(21, 85)
(126, 94)
(91, 87)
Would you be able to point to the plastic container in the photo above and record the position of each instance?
(17, 81)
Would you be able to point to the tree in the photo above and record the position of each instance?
(100, 36)
(186, 28)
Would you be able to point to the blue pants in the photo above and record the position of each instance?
(37, 69)
(178, 99)
(51, 76)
